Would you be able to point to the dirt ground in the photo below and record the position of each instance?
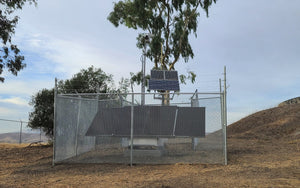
(252, 163)
(270, 160)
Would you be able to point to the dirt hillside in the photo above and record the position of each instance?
(263, 151)
(275, 123)
(26, 137)
(295, 100)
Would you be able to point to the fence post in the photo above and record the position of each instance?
(131, 129)
(20, 140)
(77, 125)
(222, 120)
(194, 103)
(225, 117)
(97, 98)
(54, 122)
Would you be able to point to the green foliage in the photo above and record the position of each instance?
(43, 113)
(10, 56)
(190, 76)
(137, 78)
(88, 80)
(170, 22)
(124, 85)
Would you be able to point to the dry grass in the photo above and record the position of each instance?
(253, 163)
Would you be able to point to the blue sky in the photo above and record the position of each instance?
(258, 41)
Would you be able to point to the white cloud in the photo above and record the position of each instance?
(15, 100)
(35, 43)
(25, 87)
(67, 57)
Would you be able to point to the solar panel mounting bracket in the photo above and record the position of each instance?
(156, 97)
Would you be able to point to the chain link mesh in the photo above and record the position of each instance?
(165, 128)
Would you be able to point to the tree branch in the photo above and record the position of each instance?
(186, 22)
(167, 35)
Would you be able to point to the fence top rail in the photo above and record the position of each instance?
(75, 98)
(179, 93)
(17, 121)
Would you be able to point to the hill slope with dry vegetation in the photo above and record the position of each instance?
(275, 123)
(263, 151)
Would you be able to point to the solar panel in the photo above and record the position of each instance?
(157, 74)
(168, 85)
(171, 75)
(164, 80)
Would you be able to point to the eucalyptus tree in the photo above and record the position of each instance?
(10, 57)
(168, 22)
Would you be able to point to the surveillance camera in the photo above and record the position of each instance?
(147, 35)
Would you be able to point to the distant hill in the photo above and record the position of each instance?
(290, 101)
(275, 123)
(26, 137)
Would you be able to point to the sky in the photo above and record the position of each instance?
(258, 42)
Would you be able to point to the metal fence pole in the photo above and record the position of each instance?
(143, 76)
(222, 120)
(54, 122)
(222, 103)
(77, 125)
(20, 140)
(131, 129)
(98, 102)
(225, 116)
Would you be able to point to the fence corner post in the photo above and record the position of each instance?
(54, 121)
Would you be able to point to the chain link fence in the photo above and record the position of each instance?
(17, 131)
(136, 128)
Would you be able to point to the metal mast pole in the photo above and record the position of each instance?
(143, 76)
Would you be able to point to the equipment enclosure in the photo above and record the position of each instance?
(118, 128)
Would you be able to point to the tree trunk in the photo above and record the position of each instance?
(166, 98)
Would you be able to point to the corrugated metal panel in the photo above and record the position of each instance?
(150, 121)
(110, 121)
(190, 122)
(153, 120)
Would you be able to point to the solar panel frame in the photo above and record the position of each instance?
(169, 85)
(164, 80)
